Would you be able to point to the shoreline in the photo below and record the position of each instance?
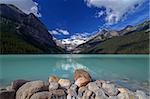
(83, 87)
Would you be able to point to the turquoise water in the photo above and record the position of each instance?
(131, 68)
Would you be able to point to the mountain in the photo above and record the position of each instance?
(22, 33)
(130, 40)
(70, 43)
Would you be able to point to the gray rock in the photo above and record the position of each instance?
(93, 86)
(7, 94)
(87, 94)
(113, 97)
(69, 96)
(59, 94)
(99, 83)
(123, 96)
(74, 87)
(73, 90)
(30, 88)
(9, 88)
(110, 89)
(100, 94)
(128, 95)
(53, 86)
(42, 95)
(16, 84)
(64, 83)
(81, 91)
(141, 95)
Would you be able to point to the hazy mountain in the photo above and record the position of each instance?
(22, 33)
(128, 40)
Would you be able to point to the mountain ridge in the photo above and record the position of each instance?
(26, 28)
(92, 45)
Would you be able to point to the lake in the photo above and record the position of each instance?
(131, 69)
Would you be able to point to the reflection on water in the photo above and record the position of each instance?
(132, 68)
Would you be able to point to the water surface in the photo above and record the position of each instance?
(130, 68)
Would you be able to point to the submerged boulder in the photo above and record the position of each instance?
(30, 88)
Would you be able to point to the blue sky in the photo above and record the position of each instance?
(65, 18)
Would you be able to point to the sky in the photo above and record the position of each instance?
(68, 18)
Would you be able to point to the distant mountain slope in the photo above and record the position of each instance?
(135, 40)
(22, 33)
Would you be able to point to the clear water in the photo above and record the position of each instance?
(132, 68)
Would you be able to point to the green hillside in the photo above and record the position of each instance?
(137, 42)
(12, 41)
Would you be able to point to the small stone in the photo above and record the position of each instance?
(110, 89)
(53, 79)
(87, 94)
(113, 97)
(141, 95)
(82, 82)
(122, 90)
(9, 88)
(128, 95)
(73, 90)
(123, 96)
(81, 91)
(53, 86)
(100, 94)
(65, 83)
(7, 94)
(59, 94)
(99, 82)
(93, 86)
(69, 96)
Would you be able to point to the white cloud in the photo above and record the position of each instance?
(59, 32)
(54, 32)
(115, 9)
(99, 14)
(64, 32)
(27, 6)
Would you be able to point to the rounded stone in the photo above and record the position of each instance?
(53, 86)
(93, 86)
(16, 84)
(53, 79)
(82, 82)
(42, 95)
(110, 89)
(30, 88)
(82, 73)
(65, 83)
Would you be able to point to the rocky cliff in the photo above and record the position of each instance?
(22, 33)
